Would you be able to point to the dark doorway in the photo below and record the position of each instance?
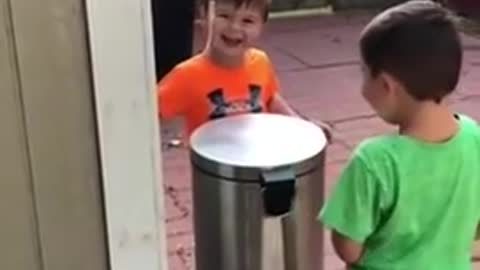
(173, 33)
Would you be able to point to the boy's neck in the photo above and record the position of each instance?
(430, 122)
(223, 60)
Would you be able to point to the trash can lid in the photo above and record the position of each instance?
(242, 147)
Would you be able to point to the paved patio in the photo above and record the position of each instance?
(317, 62)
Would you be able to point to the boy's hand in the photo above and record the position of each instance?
(327, 129)
(210, 23)
(279, 105)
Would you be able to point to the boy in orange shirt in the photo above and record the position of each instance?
(230, 76)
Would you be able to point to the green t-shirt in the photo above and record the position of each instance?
(414, 205)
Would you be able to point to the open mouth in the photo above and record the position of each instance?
(232, 42)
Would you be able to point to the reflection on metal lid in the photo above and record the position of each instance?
(258, 141)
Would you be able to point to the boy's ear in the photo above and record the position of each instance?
(389, 83)
(202, 11)
(203, 18)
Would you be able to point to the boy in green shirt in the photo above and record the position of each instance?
(411, 200)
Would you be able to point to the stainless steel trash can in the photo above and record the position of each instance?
(252, 168)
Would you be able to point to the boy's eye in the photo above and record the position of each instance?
(223, 15)
(248, 21)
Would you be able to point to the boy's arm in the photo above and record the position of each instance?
(352, 210)
(279, 105)
(172, 94)
(348, 250)
(476, 245)
(475, 255)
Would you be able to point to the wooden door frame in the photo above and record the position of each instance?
(122, 59)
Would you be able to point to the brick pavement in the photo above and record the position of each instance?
(318, 67)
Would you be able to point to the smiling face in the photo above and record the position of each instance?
(235, 28)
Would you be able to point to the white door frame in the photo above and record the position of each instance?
(122, 58)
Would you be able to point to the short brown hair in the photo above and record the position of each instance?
(262, 5)
(417, 43)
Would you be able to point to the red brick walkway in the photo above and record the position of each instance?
(318, 67)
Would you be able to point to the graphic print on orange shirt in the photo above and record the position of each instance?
(224, 108)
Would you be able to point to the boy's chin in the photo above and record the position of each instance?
(233, 53)
(389, 119)
(228, 50)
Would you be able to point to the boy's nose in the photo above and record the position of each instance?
(236, 25)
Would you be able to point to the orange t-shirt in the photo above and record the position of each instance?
(199, 90)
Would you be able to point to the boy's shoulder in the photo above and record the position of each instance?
(257, 56)
(469, 124)
(196, 61)
(192, 68)
(393, 144)
(378, 145)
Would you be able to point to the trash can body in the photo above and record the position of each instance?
(228, 224)
(250, 172)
